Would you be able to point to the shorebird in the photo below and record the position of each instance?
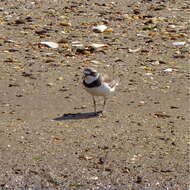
(97, 85)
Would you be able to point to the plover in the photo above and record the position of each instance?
(98, 85)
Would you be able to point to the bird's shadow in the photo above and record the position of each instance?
(75, 116)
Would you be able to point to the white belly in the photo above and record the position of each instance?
(103, 90)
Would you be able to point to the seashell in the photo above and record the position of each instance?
(76, 44)
(168, 70)
(134, 50)
(50, 44)
(95, 62)
(97, 46)
(99, 28)
(142, 35)
(179, 43)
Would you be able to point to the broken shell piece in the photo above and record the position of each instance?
(155, 62)
(172, 26)
(50, 44)
(148, 74)
(97, 46)
(134, 50)
(50, 84)
(9, 41)
(179, 43)
(95, 62)
(142, 35)
(168, 70)
(77, 44)
(141, 103)
(47, 54)
(99, 28)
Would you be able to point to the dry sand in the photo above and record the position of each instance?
(141, 143)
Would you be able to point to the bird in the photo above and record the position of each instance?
(98, 85)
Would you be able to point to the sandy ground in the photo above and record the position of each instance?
(49, 137)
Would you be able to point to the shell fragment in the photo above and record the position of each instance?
(100, 28)
(50, 44)
(179, 43)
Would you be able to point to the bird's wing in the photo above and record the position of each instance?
(112, 83)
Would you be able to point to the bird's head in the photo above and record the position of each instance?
(90, 75)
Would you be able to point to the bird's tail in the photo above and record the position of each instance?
(114, 84)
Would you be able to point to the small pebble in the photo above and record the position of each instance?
(60, 78)
(50, 84)
(65, 24)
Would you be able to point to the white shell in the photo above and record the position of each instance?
(96, 46)
(168, 70)
(95, 62)
(142, 35)
(99, 28)
(179, 43)
(50, 44)
(134, 50)
(77, 44)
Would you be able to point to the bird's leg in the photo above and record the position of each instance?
(105, 100)
(94, 102)
(113, 71)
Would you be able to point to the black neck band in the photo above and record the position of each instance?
(95, 83)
